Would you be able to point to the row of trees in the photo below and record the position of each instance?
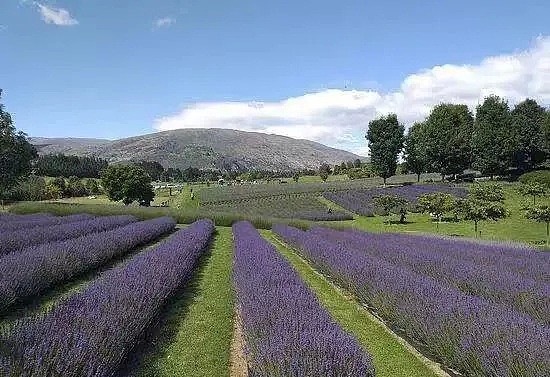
(496, 141)
(34, 188)
(483, 203)
(60, 165)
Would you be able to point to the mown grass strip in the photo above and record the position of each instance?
(193, 336)
(391, 356)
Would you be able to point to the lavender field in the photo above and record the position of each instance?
(361, 201)
(161, 307)
(480, 309)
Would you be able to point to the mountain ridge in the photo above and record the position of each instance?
(205, 148)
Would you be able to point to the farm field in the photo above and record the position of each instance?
(181, 316)
(293, 206)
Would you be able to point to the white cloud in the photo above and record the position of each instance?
(339, 117)
(56, 16)
(163, 22)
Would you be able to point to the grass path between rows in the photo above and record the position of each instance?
(193, 336)
(392, 357)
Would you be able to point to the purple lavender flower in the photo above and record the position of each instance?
(19, 239)
(90, 333)
(35, 269)
(474, 335)
(286, 330)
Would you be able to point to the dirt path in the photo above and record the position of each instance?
(237, 359)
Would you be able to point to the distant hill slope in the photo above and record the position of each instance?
(229, 150)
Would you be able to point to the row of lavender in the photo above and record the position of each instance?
(514, 277)
(286, 331)
(361, 201)
(91, 332)
(70, 227)
(13, 223)
(34, 269)
(461, 322)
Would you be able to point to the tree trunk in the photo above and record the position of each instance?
(475, 227)
(442, 177)
(418, 177)
(547, 233)
(384, 181)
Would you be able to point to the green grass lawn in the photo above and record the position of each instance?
(390, 356)
(515, 227)
(316, 178)
(194, 335)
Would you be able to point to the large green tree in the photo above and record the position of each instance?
(448, 132)
(493, 140)
(385, 137)
(127, 183)
(528, 135)
(16, 153)
(415, 150)
(546, 130)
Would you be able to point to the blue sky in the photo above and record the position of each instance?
(311, 69)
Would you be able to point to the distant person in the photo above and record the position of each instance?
(192, 195)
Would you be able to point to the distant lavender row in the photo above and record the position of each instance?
(10, 226)
(361, 201)
(468, 333)
(20, 239)
(521, 260)
(35, 269)
(449, 262)
(5, 217)
(286, 330)
(90, 333)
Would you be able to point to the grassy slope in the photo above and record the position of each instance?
(391, 358)
(195, 333)
(513, 228)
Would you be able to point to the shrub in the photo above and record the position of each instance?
(539, 176)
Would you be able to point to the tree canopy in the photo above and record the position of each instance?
(16, 153)
(447, 140)
(60, 165)
(385, 138)
(528, 119)
(127, 183)
(392, 204)
(415, 150)
(493, 140)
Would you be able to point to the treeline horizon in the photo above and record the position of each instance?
(496, 140)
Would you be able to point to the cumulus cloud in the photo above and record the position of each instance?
(339, 117)
(56, 16)
(163, 22)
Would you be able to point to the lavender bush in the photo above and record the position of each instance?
(287, 332)
(361, 201)
(90, 333)
(15, 225)
(33, 270)
(19, 239)
(469, 333)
